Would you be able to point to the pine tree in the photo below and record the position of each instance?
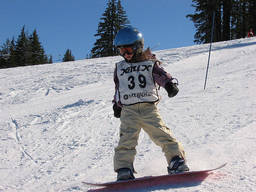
(122, 19)
(252, 15)
(27, 50)
(240, 19)
(227, 8)
(68, 56)
(36, 51)
(113, 19)
(21, 52)
(216, 6)
(202, 19)
(11, 58)
(50, 59)
(6, 53)
(248, 18)
(234, 18)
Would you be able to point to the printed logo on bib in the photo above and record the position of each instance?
(135, 68)
(137, 95)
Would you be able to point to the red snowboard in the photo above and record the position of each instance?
(190, 178)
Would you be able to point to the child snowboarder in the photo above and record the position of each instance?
(135, 100)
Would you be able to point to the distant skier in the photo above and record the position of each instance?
(135, 103)
(250, 33)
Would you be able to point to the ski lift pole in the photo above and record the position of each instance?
(210, 49)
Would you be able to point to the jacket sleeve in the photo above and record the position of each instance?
(116, 95)
(160, 75)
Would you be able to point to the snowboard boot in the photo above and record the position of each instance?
(177, 165)
(124, 174)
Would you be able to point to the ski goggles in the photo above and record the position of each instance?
(125, 50)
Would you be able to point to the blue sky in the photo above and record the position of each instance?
(71, 24)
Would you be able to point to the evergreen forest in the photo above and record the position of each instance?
(230, 19)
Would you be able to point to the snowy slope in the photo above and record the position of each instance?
(57, 127)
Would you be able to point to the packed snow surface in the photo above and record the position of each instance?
(57, 127)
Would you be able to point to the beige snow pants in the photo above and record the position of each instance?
(146, 116)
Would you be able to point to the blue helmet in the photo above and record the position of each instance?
(128, 36)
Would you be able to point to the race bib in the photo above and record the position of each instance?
(136, 84)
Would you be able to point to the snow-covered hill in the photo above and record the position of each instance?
(57, 127)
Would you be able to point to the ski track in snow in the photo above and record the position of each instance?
(57, 127)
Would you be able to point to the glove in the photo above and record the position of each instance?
(171, 88)
(117, 111)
